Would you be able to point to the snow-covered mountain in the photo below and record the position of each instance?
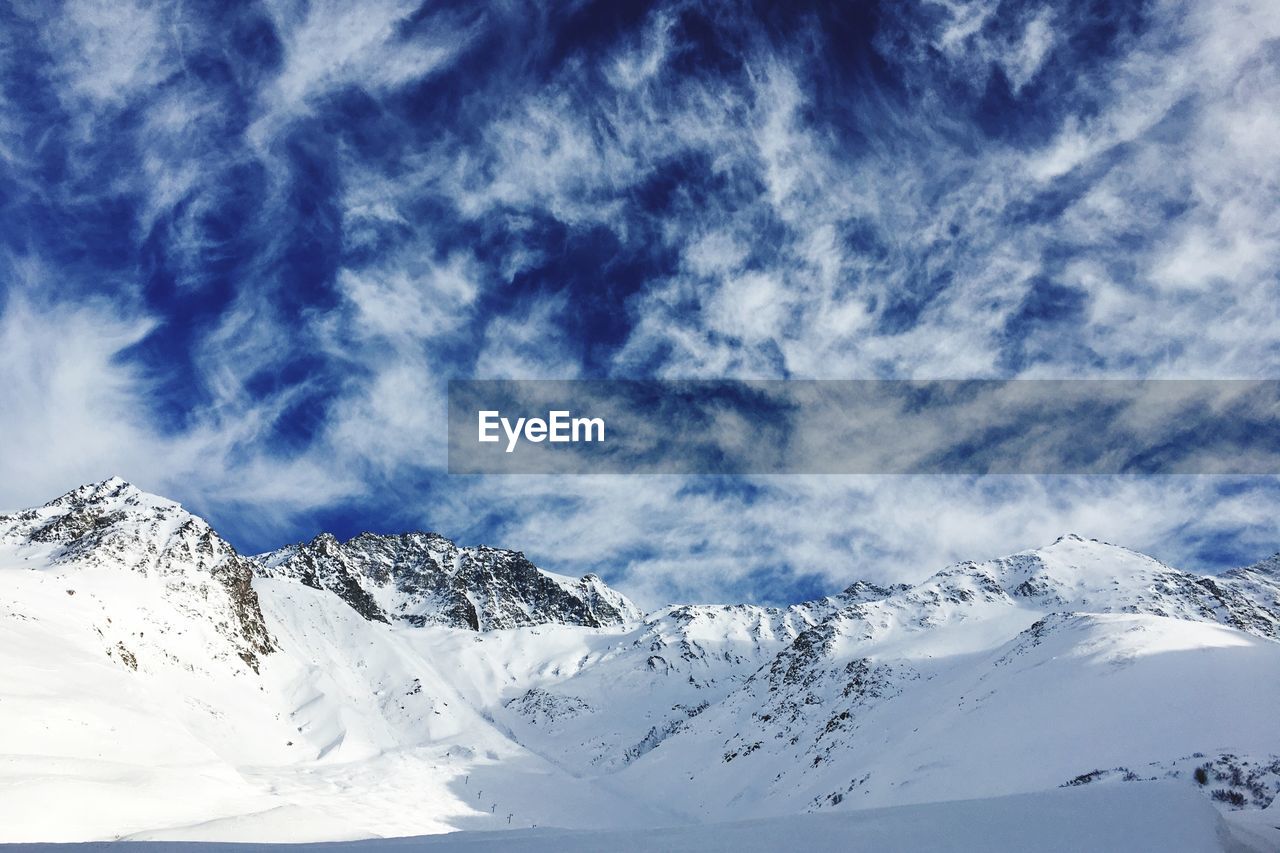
(110, 529)
(423, 578)
(992, 678)
(396, 685)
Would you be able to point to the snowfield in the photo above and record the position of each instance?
(1156, 817)
(155, 685)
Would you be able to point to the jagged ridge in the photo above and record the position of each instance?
(425, 579)
(114, 524)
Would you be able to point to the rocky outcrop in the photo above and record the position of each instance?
(116, 525)
(426, 579)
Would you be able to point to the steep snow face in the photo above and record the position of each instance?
(424, 579)
(112, 527)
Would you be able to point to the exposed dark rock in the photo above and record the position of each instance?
(425, 579)
(112, 523)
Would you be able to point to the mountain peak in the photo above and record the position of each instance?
(1079, 551)
(423, 578)
(112, 495)
(1271, 564)
(114, 525)
(1075, 540)
(112, 487)
(1269, 567)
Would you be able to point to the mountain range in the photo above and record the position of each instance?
(394, 685)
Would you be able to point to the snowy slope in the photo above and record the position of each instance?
(134, 683)
(989, 679)
(402, 685)
(1151, 817)
(130, 640)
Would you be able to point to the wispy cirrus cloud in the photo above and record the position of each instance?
(260, 240)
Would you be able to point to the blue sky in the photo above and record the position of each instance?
(242, 250)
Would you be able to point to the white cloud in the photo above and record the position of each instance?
(410, 298)
(1026, 58)
(529, 345)
(1168, 224)
(968, 39)
(330, 43)
(717, 252)
(76, 410)
(392, 422)
(110, 51)
(640, 65)
(752, 307)
(670, 542)
(72, 408)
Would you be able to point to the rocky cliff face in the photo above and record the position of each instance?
(425, 579)
(113, 525)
